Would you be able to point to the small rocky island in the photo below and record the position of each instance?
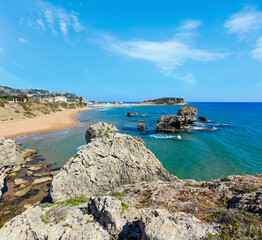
(115, 188)
(167, 101)
(175, 123)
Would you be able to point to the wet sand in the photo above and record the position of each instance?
(40, 124)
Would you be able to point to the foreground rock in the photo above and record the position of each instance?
(174, 123)
(180, 209)
(27, 153)
(109, 160)
(10, 159)
(103, 218)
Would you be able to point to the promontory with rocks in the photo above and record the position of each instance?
(115, 188)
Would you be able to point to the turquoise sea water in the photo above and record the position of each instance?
(233, 144)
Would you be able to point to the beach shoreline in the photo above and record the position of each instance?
(41, 124)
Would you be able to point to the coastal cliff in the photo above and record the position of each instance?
(115, 188)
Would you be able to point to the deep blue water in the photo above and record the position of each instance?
(233, 146)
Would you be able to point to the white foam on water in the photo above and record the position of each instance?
(178, 137)
(161, 136)
(80, 147)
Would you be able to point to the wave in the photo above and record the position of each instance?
(78, 148)
(161, 136)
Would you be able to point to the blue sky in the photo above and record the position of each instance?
(134, 50)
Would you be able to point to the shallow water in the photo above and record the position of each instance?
(230, 143)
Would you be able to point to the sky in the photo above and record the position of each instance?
(203, 51)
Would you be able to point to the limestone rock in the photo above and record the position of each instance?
(107, 212)
(58, 222)
(23, 191)
(143, 115)
(10, 159)
(20, 181)
(162, 226)
(42, 180)
(109, 160)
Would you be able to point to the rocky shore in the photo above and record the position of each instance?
(115, 188)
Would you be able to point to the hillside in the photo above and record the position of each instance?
(37, 93)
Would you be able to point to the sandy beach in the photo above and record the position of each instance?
(40, 124)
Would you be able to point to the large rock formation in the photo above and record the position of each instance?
(10, 159)
(109, 160)
(174, 123)
(103, 218)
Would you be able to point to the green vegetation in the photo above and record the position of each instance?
(237, 225)
(124, 207)
(226, 179)
(69, 202)
(2, 104)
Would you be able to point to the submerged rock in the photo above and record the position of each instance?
(174, 123)
(27, 153)
(109, 160)
(143, 115)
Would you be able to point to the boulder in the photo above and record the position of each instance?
(162, 226)
(130, 114)
(174, 123)
(188, 114)
(143, 115)
(52, 223)
(136, 114)
(141, 126)
(10, 159)
(109, 160)
(203, 119)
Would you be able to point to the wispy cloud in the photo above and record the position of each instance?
(2, 51)
(190, 24)
(257, 52)
(245, 22)
(22, 40)
(166, 55)
(48, 17)
(259, 84)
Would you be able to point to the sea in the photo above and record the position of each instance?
(229, 143)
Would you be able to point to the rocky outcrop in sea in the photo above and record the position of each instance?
(174, 123)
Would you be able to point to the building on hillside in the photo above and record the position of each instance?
(60, 99)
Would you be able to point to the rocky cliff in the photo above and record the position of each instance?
(109, 160)
(10, 159)
(115, 188)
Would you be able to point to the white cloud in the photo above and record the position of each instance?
(257, 52)
(244, 22)
(22, 40)
(47, 16)
(41, 24)
(190, 24)
(167, 55)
